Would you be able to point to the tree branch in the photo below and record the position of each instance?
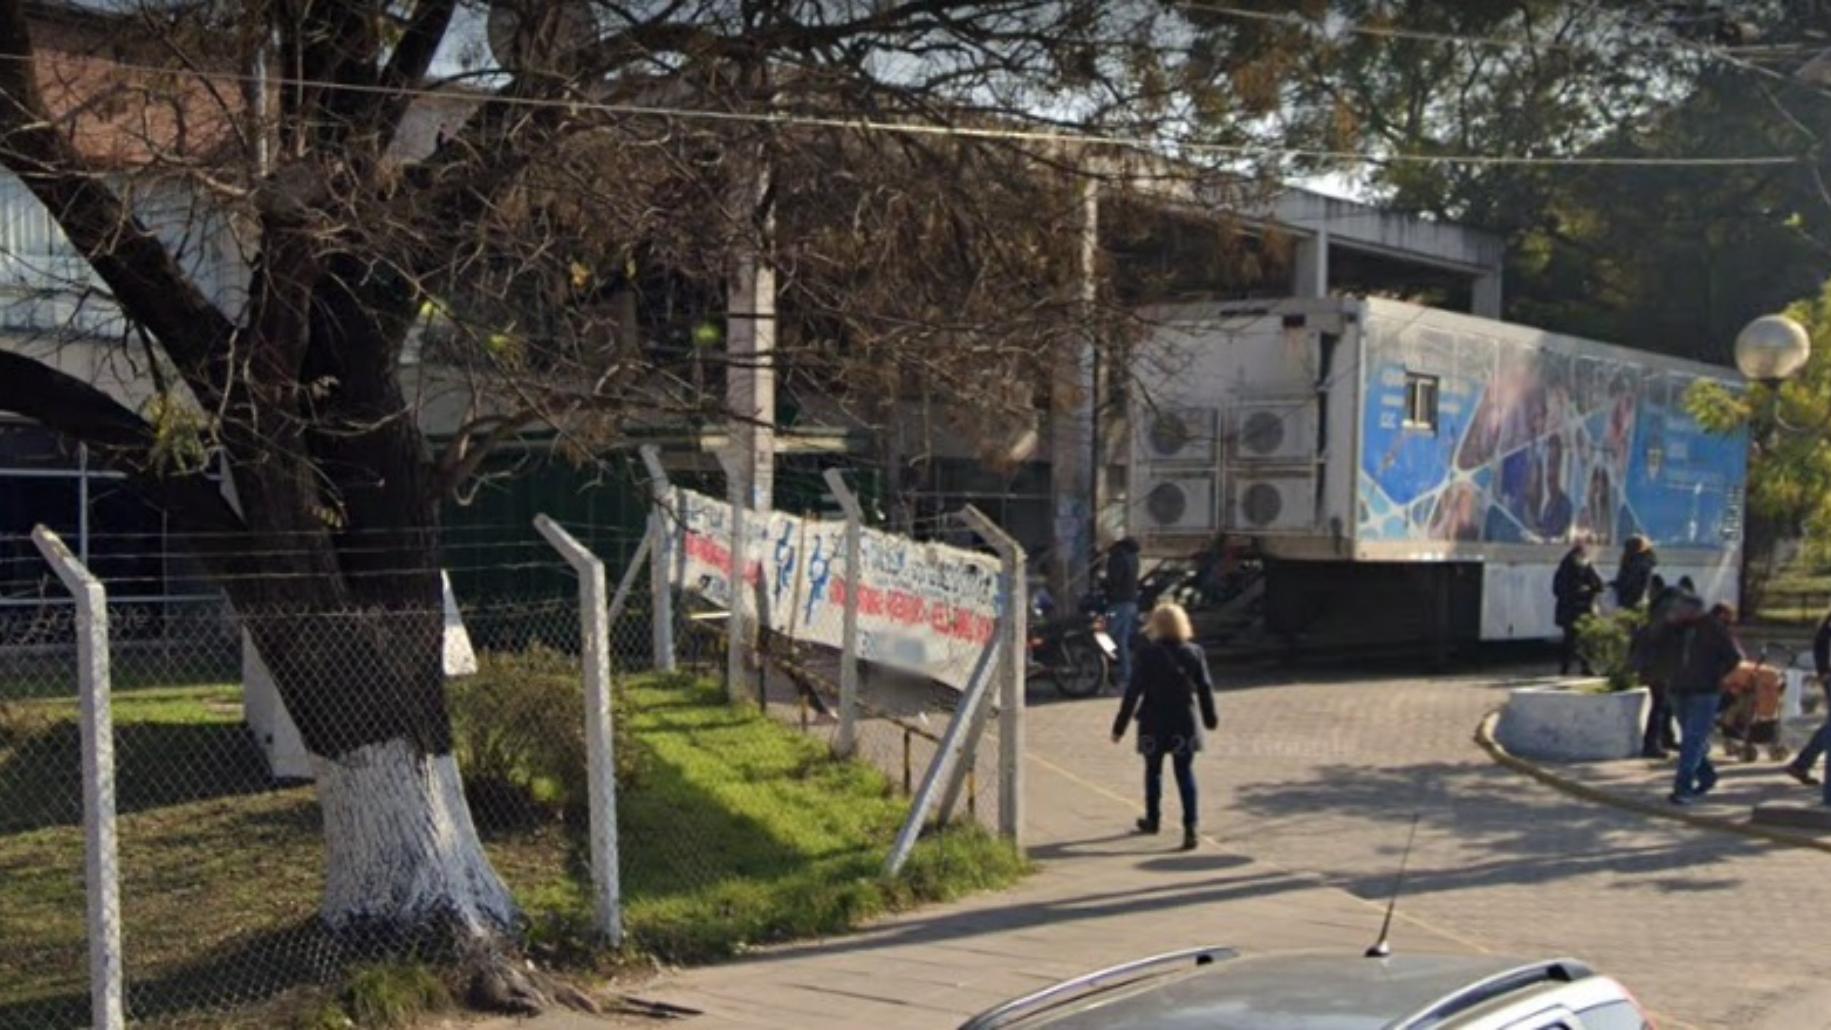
(407, 65)
(80, 412)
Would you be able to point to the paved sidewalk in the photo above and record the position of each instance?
(1307, 792)
(1742, 784)
(1102, 896)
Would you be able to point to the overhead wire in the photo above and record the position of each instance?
(1169, 146)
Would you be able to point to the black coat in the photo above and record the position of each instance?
(1169, 683)
(1699, 651)
(1632, 579)
(1576, 587)
(1122, 574)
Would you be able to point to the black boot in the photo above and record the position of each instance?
(1188, 838)
(1147, 825)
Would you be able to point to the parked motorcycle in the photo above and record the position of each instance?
(1074, 652)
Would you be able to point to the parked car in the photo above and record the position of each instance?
(1219, 989)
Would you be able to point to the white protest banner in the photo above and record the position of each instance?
(925, 608)
(774, 550)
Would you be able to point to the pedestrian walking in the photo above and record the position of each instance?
(1635, 574)
(1576, 585)
(1122, 601)
(1169, 691)
(1800, 768)
(1695, 651)
(1659, 738)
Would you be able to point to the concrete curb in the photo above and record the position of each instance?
(1484, 736)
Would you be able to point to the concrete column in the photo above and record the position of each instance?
(1485, 297)
(1310, 266)
(1071, 458)
(750, 390)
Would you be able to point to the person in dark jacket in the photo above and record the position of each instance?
(1122, 597)
(1576, 585)
(1659, 738)
(1800, 768)
(1636, 572)
(1694, 651)
(1170, 687)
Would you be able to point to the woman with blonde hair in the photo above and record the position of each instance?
(1169, 688)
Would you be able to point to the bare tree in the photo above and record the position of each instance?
(523, 254)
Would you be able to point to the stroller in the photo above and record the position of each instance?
(1750, 716)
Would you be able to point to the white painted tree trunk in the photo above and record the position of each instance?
(401, 850)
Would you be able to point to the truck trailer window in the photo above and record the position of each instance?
(1421, 402)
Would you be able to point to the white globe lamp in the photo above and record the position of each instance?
(1772, 348)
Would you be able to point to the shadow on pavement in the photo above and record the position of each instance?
(1527, 835)
(1167, 896)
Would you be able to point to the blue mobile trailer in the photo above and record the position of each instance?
(1396, 461)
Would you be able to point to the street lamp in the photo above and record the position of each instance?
(1772, 348)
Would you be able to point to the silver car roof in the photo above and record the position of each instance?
(1276, 992)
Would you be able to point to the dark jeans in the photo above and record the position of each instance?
(1817, 746)
(1124, 626)
(1184, 764)
(1659, 733)
(1569, 653)
(1697, 717)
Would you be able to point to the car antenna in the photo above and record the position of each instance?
(1383, 947)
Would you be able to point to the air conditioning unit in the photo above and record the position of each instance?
(1179, 435)
(1275, 431)
(1172, 503)
(1272, 503)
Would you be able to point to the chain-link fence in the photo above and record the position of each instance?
(248, 869)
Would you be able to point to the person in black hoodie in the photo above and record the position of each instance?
(1122, 597)
(1694, 651)
(1636, 572)
(1169, 687)
(1576, 585)
(1659, 737)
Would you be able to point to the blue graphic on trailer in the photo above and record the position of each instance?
(1535, 446)
(1679, 481)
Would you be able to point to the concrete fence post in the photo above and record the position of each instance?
(600, 744)
(1014, 650)
(661, 532)
(846, 740)
(101, 869)
(737, 628)
(948, 754)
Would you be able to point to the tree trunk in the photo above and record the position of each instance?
(365, 685)
(401, 852)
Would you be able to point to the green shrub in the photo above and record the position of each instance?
(394, 995)
(518, 729)
(1606, 643)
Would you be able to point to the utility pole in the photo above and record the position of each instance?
(1071, 422)
(750, 389)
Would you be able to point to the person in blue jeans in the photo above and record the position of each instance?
(1800, 768)
(1122, 599)
(1170, 691)
(1694, 651)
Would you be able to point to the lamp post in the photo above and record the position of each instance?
(1772, 349)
